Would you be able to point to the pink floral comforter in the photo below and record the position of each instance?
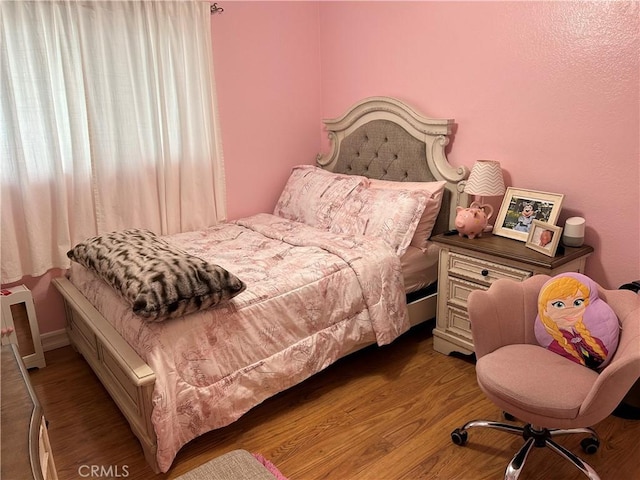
(312, 296)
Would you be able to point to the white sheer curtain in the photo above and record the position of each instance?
(108, 121)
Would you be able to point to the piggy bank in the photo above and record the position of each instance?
(471, 221)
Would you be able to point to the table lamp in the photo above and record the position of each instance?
(485, 180)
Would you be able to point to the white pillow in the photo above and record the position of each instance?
(433, 191)
(313, 195)
(392, 215)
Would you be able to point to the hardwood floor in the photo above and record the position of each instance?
(382, 413)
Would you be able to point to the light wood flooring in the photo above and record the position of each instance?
(380, 414)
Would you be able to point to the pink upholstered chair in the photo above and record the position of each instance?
(552, 395)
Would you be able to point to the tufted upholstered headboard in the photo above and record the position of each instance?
(383, 138)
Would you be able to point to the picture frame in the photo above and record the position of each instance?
(521, 207)
(544, 238)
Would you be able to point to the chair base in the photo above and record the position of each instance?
(535, 437)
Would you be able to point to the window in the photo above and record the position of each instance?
(108, 121)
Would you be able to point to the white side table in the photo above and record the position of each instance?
(32, 355)
(474, 264)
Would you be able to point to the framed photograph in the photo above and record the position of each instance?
(544, 238)
(521, 207)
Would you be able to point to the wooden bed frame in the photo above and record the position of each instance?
(130, 381)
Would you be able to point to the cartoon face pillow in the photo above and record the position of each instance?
(573, 321)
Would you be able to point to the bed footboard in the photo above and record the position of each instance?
(127, 378)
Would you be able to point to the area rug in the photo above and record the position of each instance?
(269, 466)
(235, 465)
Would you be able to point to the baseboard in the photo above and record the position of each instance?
(53, 340)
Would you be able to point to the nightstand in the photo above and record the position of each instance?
(471, 264)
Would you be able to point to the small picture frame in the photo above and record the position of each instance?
(544, 238)
(520, 208)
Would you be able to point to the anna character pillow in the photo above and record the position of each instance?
(573, 321)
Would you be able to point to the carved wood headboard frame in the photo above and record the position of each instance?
(367, 141)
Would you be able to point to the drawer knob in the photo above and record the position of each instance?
(485, 272)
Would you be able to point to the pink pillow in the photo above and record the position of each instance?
(433, 192)
(392, 215)
(574, 322)
(312, 195)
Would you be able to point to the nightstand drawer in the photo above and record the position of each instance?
(458, 324)
(459, 291)
(482, 271)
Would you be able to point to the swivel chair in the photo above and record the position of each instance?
(552, 395)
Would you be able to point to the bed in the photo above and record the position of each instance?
(176, 378)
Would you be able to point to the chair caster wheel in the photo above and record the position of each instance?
(590, 445)
(459, 437)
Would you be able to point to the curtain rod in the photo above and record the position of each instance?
(216, 9)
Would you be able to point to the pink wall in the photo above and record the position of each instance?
(550, 89)
(47, 301)
(267, 67)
